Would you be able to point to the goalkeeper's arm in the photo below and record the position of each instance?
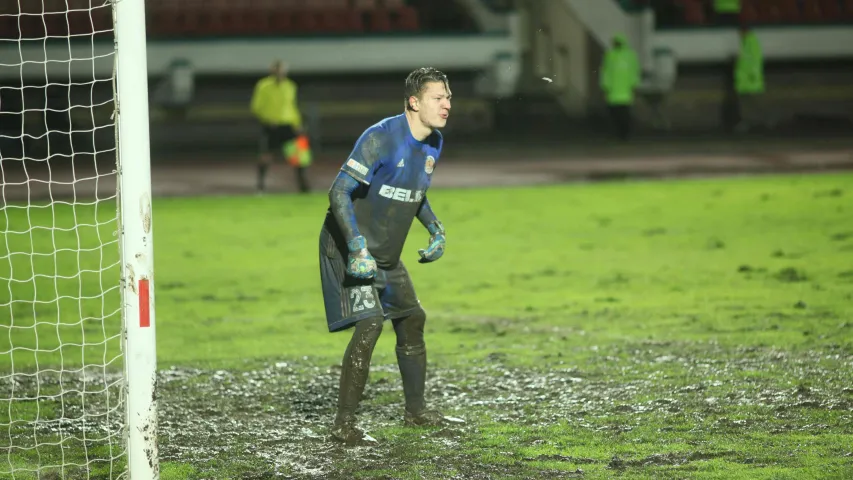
(437, 237)
(426, 215)
(340, 201)
(361, 264)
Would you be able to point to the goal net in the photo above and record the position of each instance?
(76, 332)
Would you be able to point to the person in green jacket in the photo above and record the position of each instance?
(618, 77)
(274, 105)
(749, 80)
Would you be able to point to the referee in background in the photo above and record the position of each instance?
(274, 104)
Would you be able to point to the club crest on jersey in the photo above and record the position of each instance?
(429, 166)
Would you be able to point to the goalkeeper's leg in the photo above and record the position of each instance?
(356, 366)
(347, 305)
(403, 308)
(411, 358)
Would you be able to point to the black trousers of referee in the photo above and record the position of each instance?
(273, 139)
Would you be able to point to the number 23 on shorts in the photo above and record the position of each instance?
(362, 298)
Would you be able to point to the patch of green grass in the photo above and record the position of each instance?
(643, 330)
(176, 471)
(585, 265)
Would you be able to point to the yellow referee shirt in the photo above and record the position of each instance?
(274, 102)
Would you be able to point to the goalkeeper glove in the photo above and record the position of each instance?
(436, 243)
(361, 263)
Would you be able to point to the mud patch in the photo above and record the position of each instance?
(714, 243)
(790, 275)
(274, 421)
(835, 192)
(669, 459)
(81, 410)
(652, 232)
(288, 408)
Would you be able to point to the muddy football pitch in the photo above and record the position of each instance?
(641, 329)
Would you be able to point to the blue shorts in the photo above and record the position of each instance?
(347, 300)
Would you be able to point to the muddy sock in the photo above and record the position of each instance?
(411, 358)
(356, 366)
(412, 363)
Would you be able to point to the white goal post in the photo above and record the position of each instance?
(137, 255)
(77, 318)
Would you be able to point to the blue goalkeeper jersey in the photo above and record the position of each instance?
(395, 171)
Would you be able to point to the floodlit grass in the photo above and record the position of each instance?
(670, 329)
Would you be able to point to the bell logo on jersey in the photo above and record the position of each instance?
(401, 194)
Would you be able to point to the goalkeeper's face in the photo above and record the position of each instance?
(434, 105)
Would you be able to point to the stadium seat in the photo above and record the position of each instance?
(688, 11)
(27, 26)
(34, 8)
(175, 19)
(268, 5)
(186, 23)
(55, 24)
(305, 21)
(279, 17)
(818, 11)
(8, 27)
(833, 10)
(778, 11)
(694, 12)
(249, 20)
(328, 4)
(209, 22)
(81, 4)
(406, 19)
(379, 20)
(80, 22)
(280, 21)
(789, 10)
(338, 21)
(46, 6)
(354, 20)
(749, 12)
(364, 5)
(102, 20)
(812, 11)
(753, 12)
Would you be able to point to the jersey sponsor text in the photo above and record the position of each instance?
(401, 194)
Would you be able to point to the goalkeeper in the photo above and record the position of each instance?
(373, 201)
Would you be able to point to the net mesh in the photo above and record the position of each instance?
(61, 382)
